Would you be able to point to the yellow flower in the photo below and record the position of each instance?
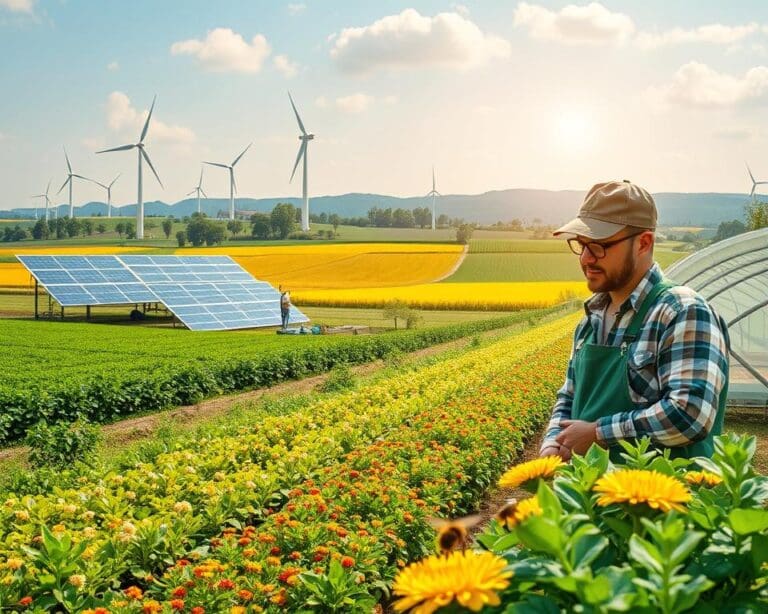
(519, 475)
(513, 513)
(637, 486)
(471, 578)
(703, 478)
(14, 564)
(77, 580)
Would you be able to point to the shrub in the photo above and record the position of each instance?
(181, 238)
(61, 444)
(340, 378)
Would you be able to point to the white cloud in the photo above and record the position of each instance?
(285, 66)
(390, 99)
(296, 9)
(715, 33)
(125, 119)
(460, 9)
(356, 103)
(410, 40)
(226, 51)
(113, 66)
(696, 84)
(18, 6)
(592, 24)
(322, 102)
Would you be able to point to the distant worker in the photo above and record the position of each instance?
(649, 358)
(285, 306)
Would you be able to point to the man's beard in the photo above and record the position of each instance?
(612, 281)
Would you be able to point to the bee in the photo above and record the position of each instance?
(454, 534)
(506, 515)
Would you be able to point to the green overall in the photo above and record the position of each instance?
(601, 384)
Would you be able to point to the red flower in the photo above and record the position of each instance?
(25, 601)
(294, 556)
(347, 562)
(198, 610)
(226, 584)
(274, 551)
(179, 593)
(177, 604)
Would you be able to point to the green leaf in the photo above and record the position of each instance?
(685, 546)
(534, 604)
(646, 554)
(749, 521)
(541, 535)
(548, 501)
(586, 544)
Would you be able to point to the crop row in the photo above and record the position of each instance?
(349, 479)
(106, 397)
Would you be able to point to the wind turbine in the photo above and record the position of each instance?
(141, 152)
(199, 190)
(232, 186)
(754, 184)
(108, 188)
(47, 200)
(433, 192)
(305, 139)
(69, 181)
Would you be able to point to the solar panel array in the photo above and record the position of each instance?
(204, 292)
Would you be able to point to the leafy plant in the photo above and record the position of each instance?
(61, 444)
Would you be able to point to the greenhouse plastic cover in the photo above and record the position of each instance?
(733, 276)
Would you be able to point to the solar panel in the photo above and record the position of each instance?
(204, 292)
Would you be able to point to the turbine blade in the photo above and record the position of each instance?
(298, 119)
(63, 185)
(751, 176)
(751, 193)
(115, 179)
(81, 177)
(242, 154)
(203, 192)
(302, 149)
(121, 148)
(66, 157)
(217, 164)
(49, 187)
(192, 192)
(146, 157)
(200, 183)
(433, 178)
(232, 178)
(146, 124)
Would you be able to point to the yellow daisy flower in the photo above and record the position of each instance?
(702, 478)
(519, 475)
(471, 578)
(513, 513)
(640, 486)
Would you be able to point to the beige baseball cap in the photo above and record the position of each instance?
(609, 207)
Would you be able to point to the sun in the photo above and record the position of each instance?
(573, 131)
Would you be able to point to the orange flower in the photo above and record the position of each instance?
(177, 604)
(226, 584)
(179, 593)
(25, 601)
(151, 607)
(133, 592)
(347, 562)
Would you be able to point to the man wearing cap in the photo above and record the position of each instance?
(649, 358)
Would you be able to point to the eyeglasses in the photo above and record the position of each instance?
(595, 248)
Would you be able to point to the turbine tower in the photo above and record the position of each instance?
(141, 154)
(108, 188)
(232, 185)
(69, 181)
(305, 139)
(199, 190)
(754, 184)
(433, 192)
(47, 200)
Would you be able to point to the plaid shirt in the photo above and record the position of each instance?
(677, 367)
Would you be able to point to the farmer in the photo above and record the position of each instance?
(649, 358)
(285, 306)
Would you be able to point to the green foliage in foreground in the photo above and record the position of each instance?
(108, 396)
(584, 555)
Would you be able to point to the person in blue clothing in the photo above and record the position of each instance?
(285, 306)
(649, 357)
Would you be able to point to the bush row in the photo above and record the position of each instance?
(107, 398)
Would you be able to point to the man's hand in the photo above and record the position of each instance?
(577, 435)
(555, 449)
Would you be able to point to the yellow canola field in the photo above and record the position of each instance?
(357, 265)
(468, 296)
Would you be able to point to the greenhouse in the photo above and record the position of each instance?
(733, 276)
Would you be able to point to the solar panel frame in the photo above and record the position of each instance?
(203, 292)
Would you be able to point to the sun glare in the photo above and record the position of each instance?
(573, 131)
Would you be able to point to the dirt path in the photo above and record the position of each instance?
(455, 267)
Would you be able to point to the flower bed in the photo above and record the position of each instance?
(323, 504)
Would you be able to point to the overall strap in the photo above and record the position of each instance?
(633, 330)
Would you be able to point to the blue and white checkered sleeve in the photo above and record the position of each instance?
(692, 370)
(564, 399)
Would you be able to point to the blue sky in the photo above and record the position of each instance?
(496, 95)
